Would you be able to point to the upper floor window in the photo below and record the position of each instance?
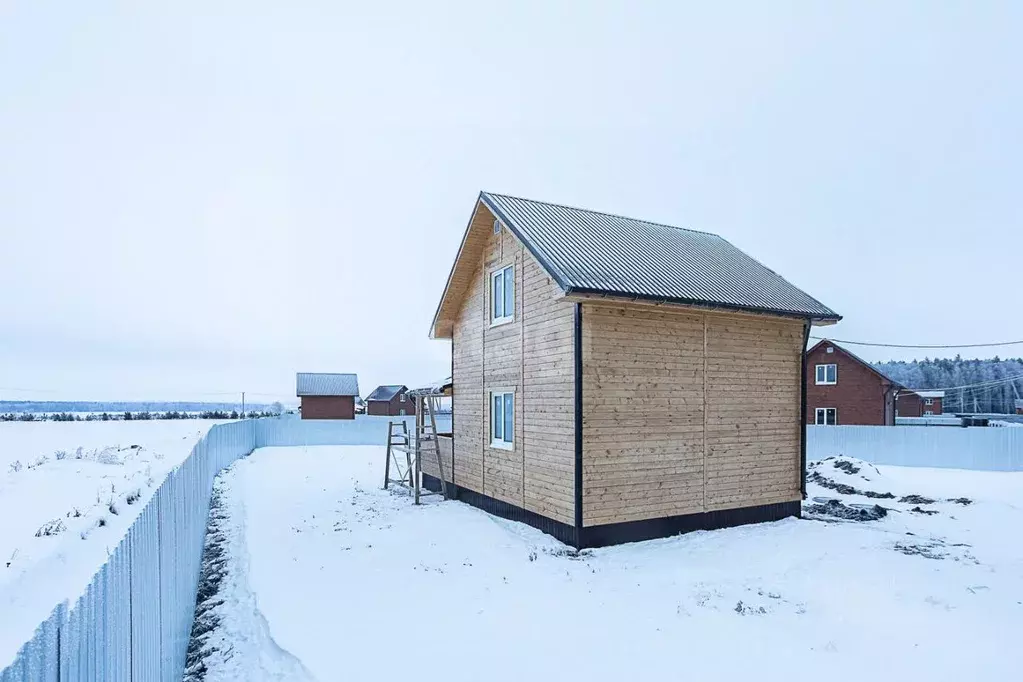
(502, 295)
(928, 401)
(497, 226)
(827, 374)
(401, 398)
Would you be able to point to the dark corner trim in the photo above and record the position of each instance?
(618, 533)
(578, 358)
(562, 531)
(802, 411)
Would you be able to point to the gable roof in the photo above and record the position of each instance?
(314, 383)
(592, 253)
(385, 393)
(857, 358)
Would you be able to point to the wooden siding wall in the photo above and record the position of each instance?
(532, 356)
(686, 411)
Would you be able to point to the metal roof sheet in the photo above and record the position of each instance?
(598, 253)
(314, 383)
(385, 393)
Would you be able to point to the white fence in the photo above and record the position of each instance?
(984, 449)
(135, 618)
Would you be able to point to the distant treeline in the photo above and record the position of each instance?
(60, 406)
(998, 395)
(132, 416)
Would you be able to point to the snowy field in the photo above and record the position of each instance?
(68, 493)
(328, 577)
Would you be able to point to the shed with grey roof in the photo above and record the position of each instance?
(617, 379)
(327, 395)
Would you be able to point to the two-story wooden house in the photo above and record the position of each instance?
(616, 379)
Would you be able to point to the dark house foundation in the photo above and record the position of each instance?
(618, 533)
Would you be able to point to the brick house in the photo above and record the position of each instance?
(327, 396)
(842, 388)
(390, 401)
(1019, 407)
(911, 403)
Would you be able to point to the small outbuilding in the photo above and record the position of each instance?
(617, 379)
(327, 396)
(1019, 406)
(390, 401)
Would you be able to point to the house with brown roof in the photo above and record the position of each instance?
(844, 389)
(390, 401)
(617, 379)
(326, 396)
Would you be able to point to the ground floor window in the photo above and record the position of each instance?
(827, 416)
(401, 412)
(502, 420)
(928, 413)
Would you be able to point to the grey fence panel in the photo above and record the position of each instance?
(979, 448)
(363, 430)
(134, 619)
(144, 589)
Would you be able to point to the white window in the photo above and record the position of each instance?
(401, 398)
(928, 413)
(502, 295)
(502, 420)
(826, 416)
(928, 401)
(497, 226)
(401, 412)
(827, 374)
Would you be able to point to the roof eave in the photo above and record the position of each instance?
(703, 305)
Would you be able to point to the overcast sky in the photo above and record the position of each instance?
(197, 200)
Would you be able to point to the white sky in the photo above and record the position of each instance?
(198, 200)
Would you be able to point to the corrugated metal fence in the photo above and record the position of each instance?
(984, 449)
(134, 619)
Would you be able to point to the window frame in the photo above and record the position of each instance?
(817, 416)
(504, 274)
(928, 413)
(401, 397)
(401, 412)
(928, 402)
(825, 382)
(506, 440)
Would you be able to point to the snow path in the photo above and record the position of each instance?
(241, 647)
(358, 583)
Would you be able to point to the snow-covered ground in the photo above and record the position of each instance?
(68, 493)
(328, 577)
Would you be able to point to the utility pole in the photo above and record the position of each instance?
(243, 404)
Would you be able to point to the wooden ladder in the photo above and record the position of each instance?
(398, 442)
(427, 444)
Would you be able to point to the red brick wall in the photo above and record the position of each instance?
(909, 405)
(328, 407)
(859, 394)
(391, 408)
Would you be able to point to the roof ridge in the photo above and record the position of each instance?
(603, 213)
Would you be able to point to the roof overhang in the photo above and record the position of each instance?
(577, 294)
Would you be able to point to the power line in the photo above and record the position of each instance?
(983, 384)
(923, 346)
